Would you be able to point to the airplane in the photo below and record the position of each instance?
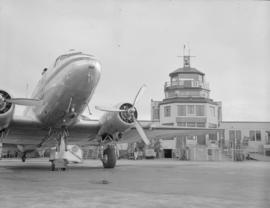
(53, 115)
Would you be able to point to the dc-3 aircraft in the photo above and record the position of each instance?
(53, 116)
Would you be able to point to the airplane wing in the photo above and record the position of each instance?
(84, 132)
(29, 131)
(165, 132)
(24, 130)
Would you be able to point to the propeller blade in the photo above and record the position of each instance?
(108, 109)
(141, 132)
(25, 101)
(139, 94)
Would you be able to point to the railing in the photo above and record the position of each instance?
(187, 84)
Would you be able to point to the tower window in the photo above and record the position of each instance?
(167, 111)
(200, 110)
(181, 124)
(191, 110)
(181, 110)
(200, 124)
(212, 111)
(191, 124)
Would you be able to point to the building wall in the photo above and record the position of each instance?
(242, 130)
(155, 110)
(212, 115)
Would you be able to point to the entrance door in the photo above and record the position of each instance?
(167, 153)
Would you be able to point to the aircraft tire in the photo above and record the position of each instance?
(109, 157)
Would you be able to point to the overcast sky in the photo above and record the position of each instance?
(138, 42)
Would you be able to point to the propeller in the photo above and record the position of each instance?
(141, 132)
(108, 109)
(131, 112)
(139, 94)
(24, 101)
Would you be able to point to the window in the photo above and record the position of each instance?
(181, 110)
(181, 124)
(268, 138)
(212, 111)
(167, 111)
(201, 139)
(252, 135)
(64, 56)
(235, 138)
(200, 110)
(238, 135)
(174, 79)
(200, 124)
(168, 124)
(191, 124)
(155, 113)
(258, 136)
(255, 135)
(188, 83)
(213, 137)
(191, 110)
(212, 125)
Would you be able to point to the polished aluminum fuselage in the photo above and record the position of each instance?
(65, 90)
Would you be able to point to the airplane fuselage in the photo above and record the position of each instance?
(65, 90)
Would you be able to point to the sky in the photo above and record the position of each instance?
(137, 42)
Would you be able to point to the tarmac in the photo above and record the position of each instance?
(143, 183)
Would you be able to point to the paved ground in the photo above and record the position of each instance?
(147, 183)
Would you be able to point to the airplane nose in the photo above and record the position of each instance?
(94, 70)
(95, 65)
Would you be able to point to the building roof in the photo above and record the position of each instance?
(186, 70)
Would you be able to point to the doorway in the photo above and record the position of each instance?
(167, 153)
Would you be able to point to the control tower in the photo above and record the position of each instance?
(187, 101)
(187, 104)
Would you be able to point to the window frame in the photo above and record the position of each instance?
(200, 107)
(184, 108)
(189, 110)
(167, 111)
(255, 135)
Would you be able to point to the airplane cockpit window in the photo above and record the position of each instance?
(64, 56)
(69, 54)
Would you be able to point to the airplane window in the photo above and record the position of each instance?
(69, 54)
(64, 56)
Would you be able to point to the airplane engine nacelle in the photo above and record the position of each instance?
(6, 110)
(113, 123)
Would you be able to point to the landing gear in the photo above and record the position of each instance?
(58, 158)
(109, 157)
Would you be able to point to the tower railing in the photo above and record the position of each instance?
(186, 84)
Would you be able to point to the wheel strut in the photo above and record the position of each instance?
(59, 162)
